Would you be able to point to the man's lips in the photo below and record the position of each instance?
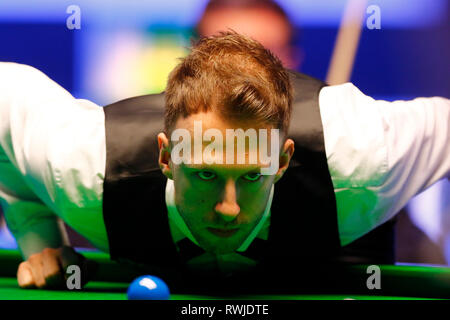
(223, 233)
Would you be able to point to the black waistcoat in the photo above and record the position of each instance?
(303, 214)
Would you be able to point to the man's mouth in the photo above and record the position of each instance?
(223, 233)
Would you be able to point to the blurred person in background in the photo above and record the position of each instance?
(262, 20)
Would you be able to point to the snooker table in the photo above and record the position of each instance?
(398, 282)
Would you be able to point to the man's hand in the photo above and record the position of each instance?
(47, 269)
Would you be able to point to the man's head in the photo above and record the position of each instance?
(227, 82)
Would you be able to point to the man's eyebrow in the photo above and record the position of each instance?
(196, 166)
(213, 167)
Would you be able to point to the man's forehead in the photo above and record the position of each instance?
(209, 140)
(212, 120)
(224, 166)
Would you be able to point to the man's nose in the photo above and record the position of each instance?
(228, 207)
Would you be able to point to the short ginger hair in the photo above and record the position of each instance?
(233, 75)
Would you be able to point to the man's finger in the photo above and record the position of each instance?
(35, 262)
(25, 276)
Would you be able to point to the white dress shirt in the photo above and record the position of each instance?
(53, 153)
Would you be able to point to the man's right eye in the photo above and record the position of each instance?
(206, 175)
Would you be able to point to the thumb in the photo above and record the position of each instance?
(25, 276)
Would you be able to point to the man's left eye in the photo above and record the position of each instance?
(254, 176)
(206, 175)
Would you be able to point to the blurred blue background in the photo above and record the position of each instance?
(127, 48)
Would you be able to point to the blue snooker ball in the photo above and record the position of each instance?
(148, 288)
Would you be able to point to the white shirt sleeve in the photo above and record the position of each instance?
(381, 154)
(52, 159)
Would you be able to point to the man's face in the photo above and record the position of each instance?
(220, 203)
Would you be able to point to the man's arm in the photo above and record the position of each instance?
(47, 143)
(33, 225)
(381, 154)
(32, 222)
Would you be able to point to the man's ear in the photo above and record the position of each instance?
(164, 155)
(285, 157)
